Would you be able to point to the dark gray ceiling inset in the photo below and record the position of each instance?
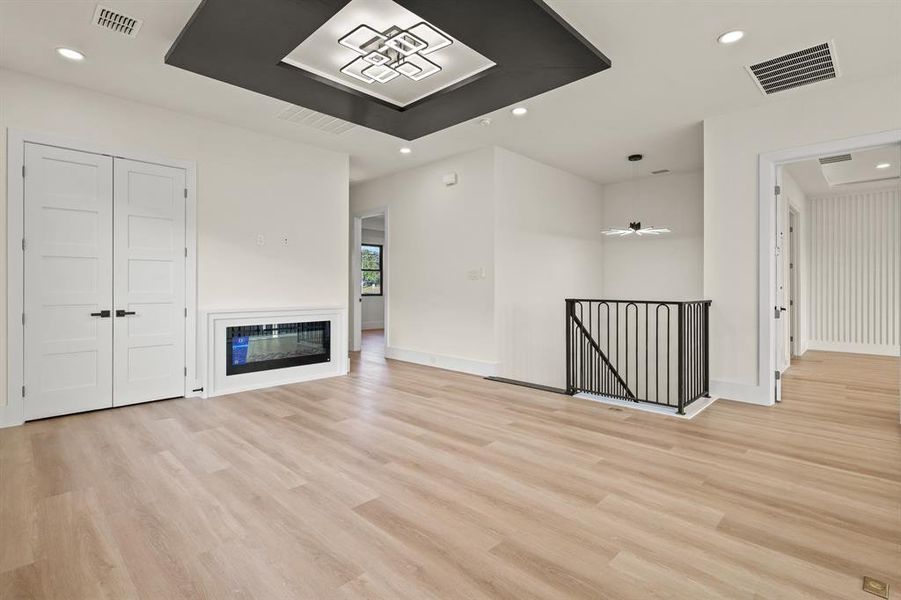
(243, 42)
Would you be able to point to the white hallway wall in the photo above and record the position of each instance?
(856, 254)
(534, 229)
(547, 249)
(667, 267)
(732, 146)
(248, 184)
(373, 310)
(437, 236)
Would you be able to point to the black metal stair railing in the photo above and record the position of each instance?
(639, 350)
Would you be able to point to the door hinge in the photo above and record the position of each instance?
(186, 192)
(24, 244)
(791, 265)
(23, 318)
(791, 229)
(778, 189)
(186, 371)
(23, 171)
(778, 375)
(186, 252)
(186, 312)
(791, 338)
(23, 391)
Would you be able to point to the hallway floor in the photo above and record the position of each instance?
(402, 481)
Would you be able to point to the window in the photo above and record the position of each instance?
(372, 269)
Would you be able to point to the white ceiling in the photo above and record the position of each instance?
(668, 75)
(858, 174)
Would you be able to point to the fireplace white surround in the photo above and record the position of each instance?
(217, 383)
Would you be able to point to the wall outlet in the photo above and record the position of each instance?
(473, 274)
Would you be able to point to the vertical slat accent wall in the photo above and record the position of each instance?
(855, 292)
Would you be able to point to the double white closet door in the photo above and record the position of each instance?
(104, 281)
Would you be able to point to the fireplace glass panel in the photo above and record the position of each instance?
(252, 348)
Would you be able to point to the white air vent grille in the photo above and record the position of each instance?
(817, 63)
(828, 160)
(116, 21)
(315, 120)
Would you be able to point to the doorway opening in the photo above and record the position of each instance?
(837, 272)
(369, 268)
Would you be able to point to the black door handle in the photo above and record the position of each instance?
(124, 313)
(103, 314)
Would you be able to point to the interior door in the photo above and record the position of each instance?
(779, 253)
(68, 281)
(149, 282)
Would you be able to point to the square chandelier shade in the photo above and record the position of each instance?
(383, 50)
(407, 68)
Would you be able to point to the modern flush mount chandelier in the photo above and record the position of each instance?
(393, 52)
(407, 68)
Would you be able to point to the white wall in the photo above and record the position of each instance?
(248, 184)
(439, 237)
(856, 254)
(547, 248)
(732, 145)
(668, 267)
(373, 309)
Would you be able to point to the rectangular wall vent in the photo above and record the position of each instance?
(817, 63)
(660, 172)
(315, 120)
(116, 21)
(828, 160)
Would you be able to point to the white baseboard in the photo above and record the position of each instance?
(372, 325)
(693, 409)
(741, 392)
(451, 363)
(877, 349)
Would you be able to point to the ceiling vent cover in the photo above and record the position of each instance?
(828, 160)
(116, 21)
(315, 120)
(817, 63)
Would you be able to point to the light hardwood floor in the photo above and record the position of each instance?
(402, 481)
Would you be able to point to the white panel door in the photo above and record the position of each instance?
(68, 281)
(149, 282)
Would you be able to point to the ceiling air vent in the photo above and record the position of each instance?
(116, 21)
(315, 120)
(817, 63)
(828, 160)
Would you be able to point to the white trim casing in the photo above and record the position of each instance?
(442, 361)
(13, 413)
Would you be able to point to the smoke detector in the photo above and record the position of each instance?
(796, 69)
(116, 21)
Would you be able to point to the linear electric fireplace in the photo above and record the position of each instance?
(251, 348)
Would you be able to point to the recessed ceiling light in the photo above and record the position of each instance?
(70, 54)
(406, 150)
(730, 37)
(883, 165)
(520, 111)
